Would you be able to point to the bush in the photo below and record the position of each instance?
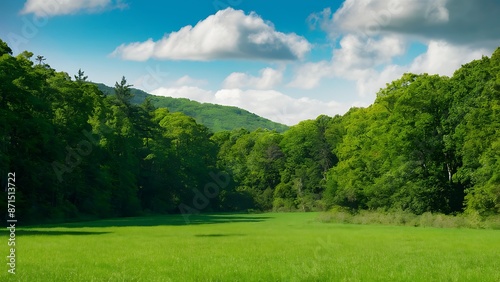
(493, 222)
(404, 218)
(283, 205)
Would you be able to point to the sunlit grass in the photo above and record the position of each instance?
(253, 247)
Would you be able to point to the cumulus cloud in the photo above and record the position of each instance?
(355, 59)
(444, 58)
(461, 22)
(189, 81)
(309, 75)
(356, 55)
(369, 35)
(229, 34)
(440, 58)
(372, 33)
(370, 84)
(371, 71)
(47, 8)
(270, 104)
(268, 79)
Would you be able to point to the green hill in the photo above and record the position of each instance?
(215, 117)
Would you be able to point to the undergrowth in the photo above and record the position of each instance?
(403, 218)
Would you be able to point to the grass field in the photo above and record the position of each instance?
(251, 247)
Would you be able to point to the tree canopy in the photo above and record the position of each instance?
(427, 143)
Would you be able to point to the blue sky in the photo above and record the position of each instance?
(284, 60)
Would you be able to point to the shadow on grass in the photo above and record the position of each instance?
(218, 235)
(28, 232)
(166, 220)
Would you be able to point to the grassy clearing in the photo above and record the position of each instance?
(252, 247)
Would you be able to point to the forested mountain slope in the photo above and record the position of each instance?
(215, 117)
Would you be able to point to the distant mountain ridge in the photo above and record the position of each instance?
(215, 117)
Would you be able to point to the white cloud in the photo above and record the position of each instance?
(137, 51)
(440, 58)
(189, 81)
(47, 8)
(269, 104)
(368, 85)
(461, 22)
(229, 34)
(268, 79)
(358, 55)
(372, 33)
(355, 59)
(369, 63)
(444, 58)
(309, 75)
(189, 92)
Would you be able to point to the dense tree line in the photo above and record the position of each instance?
(77, 152)
(428, 143)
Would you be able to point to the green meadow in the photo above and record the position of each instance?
(251, 247)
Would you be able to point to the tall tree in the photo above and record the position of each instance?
(123, 92)
(40, 59)
(81, 77)
(4, 48)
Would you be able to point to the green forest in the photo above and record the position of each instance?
(428, 143)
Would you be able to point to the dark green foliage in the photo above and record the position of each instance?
(81, 77)
(427, 144)
(4, 48)
(79, 153)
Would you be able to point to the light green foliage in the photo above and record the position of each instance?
(194, 153)
(477, 120)
(426, 144)
(216, 117)
(254, 160)
(405, 218)
(308, 157)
